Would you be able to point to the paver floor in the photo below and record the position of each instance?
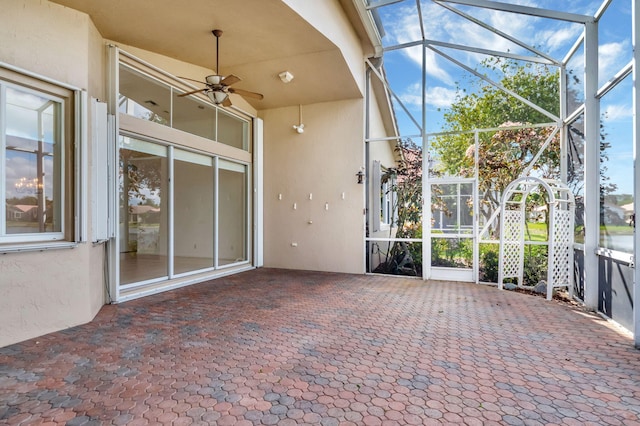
(285, 347)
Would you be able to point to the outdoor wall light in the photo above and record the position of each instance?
(299, 127)
(360, 176)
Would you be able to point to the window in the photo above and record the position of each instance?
(156, 97)
(36, 157)
(387, 197)
(616, 166)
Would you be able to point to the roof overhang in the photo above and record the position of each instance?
(261, 39)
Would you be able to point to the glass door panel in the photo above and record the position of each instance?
(232, 213)
(143, 211)
(193, 180)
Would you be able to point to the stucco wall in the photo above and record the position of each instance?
(330, 19)
(41, 292)
(319, 164)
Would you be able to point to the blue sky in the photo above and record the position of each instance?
(553, 37)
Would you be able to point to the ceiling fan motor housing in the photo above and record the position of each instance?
(214, 80)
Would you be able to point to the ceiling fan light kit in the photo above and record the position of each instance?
(217, 97)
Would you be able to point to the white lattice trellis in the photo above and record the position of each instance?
(561, 206)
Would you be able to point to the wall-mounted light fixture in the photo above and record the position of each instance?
(285, 76)
(300, 127)
(360, 176)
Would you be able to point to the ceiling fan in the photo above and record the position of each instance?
(217, 86)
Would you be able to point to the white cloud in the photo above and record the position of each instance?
(404, 27)
(618, 112)
(612, 57)
(558, 38)
(437, 96)
(441, 24)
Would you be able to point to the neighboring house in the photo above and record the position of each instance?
(233, 187)
(615, 215)
(629, 213)
(144, 213)
(21, 212)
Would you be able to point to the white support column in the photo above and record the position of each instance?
(113, 193)
(426, 183)
(258, 192)
(591, 167)
(636, 165)
(564, 152)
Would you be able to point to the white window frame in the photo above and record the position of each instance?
(70, 100)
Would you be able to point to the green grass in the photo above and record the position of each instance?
(535, 232)
(616, 230)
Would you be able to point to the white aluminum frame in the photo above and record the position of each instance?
(67, 145)
(590, 108)
(120, 293)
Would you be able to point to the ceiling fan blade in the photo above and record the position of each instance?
(246, 93)
(191, 92)
(190, 79)
(226, 102)
(230, 79)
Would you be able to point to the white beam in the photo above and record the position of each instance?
(499, 86)
(591, 167)
(426, 184)
(636, 163)
(621, 75)
(562, 83)
(524, 10)
(496, 31)
(386, 84)
(602, 9)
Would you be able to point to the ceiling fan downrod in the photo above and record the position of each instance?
(217, 34)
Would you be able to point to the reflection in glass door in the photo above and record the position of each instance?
(193, 212)
(181, 213)
(143, 211)
(453, 248)
(232, 213)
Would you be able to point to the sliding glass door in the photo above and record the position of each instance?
(232, 208)
(143, 211)
(181, 212)
(193, 212)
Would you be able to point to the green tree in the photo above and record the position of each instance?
(503, 154)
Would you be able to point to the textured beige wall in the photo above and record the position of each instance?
(322, 162)
(41, 292)
(329, 18)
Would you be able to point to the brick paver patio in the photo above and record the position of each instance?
(285, 347)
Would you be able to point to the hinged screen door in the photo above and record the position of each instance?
(453, 230)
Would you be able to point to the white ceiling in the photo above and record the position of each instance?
(261, 38)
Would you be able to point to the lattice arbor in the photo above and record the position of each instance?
(513, 212)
